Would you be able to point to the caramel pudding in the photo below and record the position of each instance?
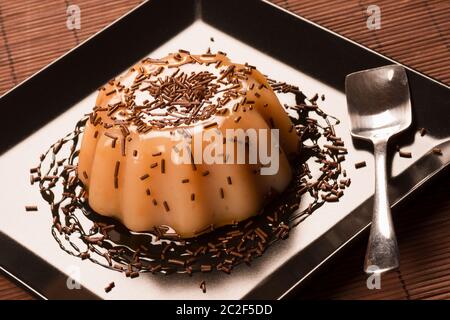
(126, 161)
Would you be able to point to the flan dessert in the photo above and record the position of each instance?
(126, 159)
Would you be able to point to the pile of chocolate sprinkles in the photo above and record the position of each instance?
(82, 233)
(174, 99)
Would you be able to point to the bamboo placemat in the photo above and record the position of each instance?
(416, 32)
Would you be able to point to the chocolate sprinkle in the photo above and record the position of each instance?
(163, 166)
(203, 286)
(437, 151)
(210, 125)
(404, 154)
(166, 206)
(109, 287)
(116, 169)
(359, 165)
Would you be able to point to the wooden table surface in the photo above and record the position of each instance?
(415, 32)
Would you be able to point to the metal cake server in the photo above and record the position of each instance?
(379, 106)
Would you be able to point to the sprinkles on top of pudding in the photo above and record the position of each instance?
(178, 90)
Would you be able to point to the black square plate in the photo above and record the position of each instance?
(282, 45)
